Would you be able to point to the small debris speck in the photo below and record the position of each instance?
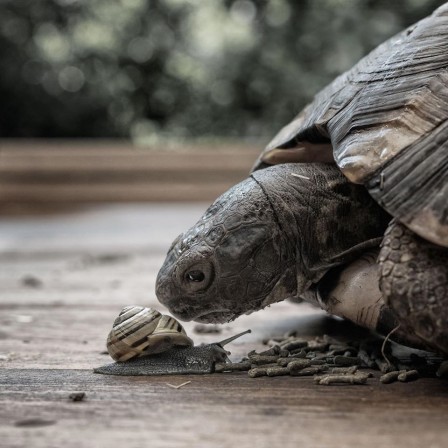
(31, 281)
(34, 422)
(179, 386)
(77, 396)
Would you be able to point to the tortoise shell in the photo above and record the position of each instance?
(385, 124)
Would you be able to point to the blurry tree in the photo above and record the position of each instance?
(155, 70)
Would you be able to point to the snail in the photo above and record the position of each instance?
(144, 342)
(139, 331)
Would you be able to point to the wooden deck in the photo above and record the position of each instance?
(56, 173)
(63, 280)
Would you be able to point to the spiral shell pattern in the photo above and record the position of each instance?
(140, 331)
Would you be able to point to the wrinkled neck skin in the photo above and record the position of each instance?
(267, 239)
(326, 220)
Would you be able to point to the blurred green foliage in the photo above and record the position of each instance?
(154, 70)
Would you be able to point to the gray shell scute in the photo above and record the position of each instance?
(387, 121)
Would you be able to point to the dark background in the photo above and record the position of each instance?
(158, 70)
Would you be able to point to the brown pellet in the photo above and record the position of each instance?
(273, 351)
(297, 364)
(232, 367)
(307, 371)
(317, 362)
(338, 348)
(343, 370)
(410, 375)
(316, 346)
(255, 373)
(261, 359)
(283, 362)
(346, 361)
(277, 371)
(390, 377)
(299, 353)
(357, 378)
(295, 344)
(366, 360)
(267, 366)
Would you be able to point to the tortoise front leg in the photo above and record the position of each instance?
(414, 281)
(353, 292)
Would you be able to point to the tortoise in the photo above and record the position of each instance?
(346, 208)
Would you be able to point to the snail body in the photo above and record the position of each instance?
(145, 342)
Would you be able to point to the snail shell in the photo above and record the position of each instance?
(140, 331)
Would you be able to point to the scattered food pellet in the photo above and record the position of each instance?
(410, 375)
(275, 350)
(277, 371)
(331, 361)
(232, 367)
(356, 378)
(260, 359)
(259, 371)
(307, 371)
(390, 377)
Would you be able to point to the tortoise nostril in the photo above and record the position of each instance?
(195, 276)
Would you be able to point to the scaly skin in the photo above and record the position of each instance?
(414, 283)
(269, 238)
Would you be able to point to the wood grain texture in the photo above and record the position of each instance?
(74, 172)
(92, 262)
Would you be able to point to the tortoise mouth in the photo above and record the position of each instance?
(216, 317)
(208, 317)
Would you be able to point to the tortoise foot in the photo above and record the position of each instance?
(414, 283)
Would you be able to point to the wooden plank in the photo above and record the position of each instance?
(68, 172)
(92, 262)
(127, 158)
(226, 411)
(87, 192)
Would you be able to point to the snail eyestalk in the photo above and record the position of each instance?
(226, 341)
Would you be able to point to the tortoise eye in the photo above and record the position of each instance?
(195, 276)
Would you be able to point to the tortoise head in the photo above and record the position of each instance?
(228, 263)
